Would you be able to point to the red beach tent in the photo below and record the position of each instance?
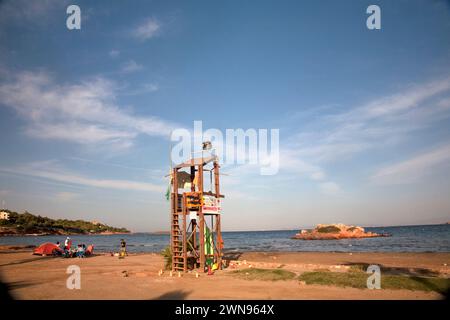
(47, 249)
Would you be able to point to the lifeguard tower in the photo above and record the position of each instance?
(196, 236)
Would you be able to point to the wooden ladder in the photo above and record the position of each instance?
(178, 236)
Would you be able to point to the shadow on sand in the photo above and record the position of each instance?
(5, 296)
(231, 255)
(173, 295)
(23, 261)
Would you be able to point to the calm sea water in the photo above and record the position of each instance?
(426, 238)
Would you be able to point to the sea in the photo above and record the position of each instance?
(419, 238)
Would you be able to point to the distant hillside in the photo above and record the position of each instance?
(27, 223)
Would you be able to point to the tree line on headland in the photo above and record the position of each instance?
(27, 223)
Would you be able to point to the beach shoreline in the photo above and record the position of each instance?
(136, 277)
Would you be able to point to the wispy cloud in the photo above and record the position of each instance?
(131, 66)
(390, 119)
(142, 89)
(65, 196)
(85, 113)
(148, 29)
(415, 168)
(114, 53)
(52, 171)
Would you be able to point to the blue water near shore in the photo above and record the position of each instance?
(425, 238)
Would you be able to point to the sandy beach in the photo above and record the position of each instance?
(136, 276)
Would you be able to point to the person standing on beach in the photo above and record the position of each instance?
(123, 248)
(67, 244)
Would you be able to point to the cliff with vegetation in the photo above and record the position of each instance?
(335, 232)
(29, 224)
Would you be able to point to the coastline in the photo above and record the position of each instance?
(136, 276)
(108, 233)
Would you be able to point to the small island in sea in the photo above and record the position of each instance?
(19, 224)
(335, 232)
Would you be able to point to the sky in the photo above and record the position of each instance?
(363, 115)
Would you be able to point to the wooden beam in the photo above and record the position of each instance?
(202, 220)
(184, 234)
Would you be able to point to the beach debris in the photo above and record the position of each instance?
(244, 262)
(196, 274)
(170, 274)
(160, 272)
(302, 283)
(125, 273)
(179, 274)
(350, 253)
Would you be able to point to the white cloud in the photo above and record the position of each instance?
(289, 161)
(131, 66)
(114, 53)
(406, 100)
(413, 169)
(147, 30)
(85, 113)
(85, 133)
(51, 171)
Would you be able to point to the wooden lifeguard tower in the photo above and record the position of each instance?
(196, 237)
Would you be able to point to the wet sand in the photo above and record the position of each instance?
(136, 276)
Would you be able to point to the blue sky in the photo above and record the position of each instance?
(363, 114)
